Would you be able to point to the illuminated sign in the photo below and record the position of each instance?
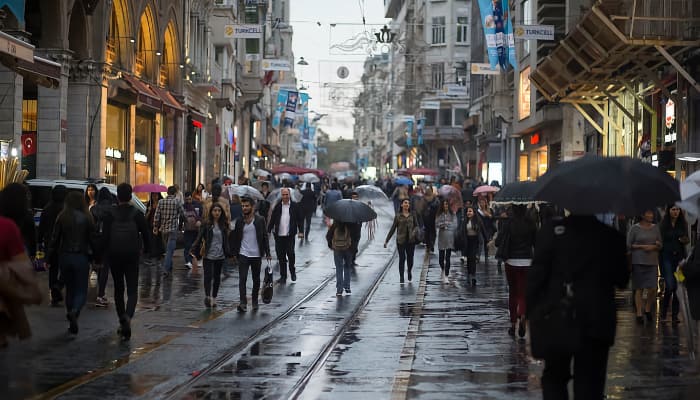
(113, 153)
(535, 138)
(670, 113)
(524, 94)
(142, 158)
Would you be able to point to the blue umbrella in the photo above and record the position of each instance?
(402, 180)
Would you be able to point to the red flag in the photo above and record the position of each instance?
(28, 144)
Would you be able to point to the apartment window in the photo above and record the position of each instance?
(438, 30)
(460, 114)
(430, 117)
(445, 117)
(438, 75)
(252, 46)
(219, 55)
(251, 15)
(462, 30)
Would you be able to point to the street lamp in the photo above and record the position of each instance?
(302, 61)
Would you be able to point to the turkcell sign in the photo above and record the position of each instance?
(429, 105)
(537, 32)
(243, 31)
(483, 69)
(276, 65)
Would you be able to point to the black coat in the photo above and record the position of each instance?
(296, 219)
(594, 255)
(236, 237)
(308, 201)
(206, 231)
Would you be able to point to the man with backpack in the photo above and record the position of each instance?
(339, 239)
(122, 249)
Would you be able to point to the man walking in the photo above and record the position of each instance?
(122, 228)
(193, 220)
(249, 243)
(166, 221)
(308, 206)
(286, 221)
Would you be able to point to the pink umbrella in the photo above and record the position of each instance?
(485, 189)
(150, 188)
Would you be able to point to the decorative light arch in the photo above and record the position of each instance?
(120, 38)
(171, 63)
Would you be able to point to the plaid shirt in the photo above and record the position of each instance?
(168, 214)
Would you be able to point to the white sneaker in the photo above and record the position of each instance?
(188, 265)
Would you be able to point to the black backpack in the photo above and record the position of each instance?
(124, 236)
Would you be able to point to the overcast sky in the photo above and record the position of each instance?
(330, 94)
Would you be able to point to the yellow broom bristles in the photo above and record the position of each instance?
(10, 172)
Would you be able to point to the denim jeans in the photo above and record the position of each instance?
(343, 268)
(406, 251)
(170, 241)
(444, 260)
(189, 238)
(75, 270)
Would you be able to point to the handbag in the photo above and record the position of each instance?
(268, 284)
(418, 232)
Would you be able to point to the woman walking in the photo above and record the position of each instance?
(99, 211)
(404, 224)
(91, 195)
(156, 243)
(446, 223)
(70, 243)
(472, 232)
(674, 231)
(212, 244)
(644, 242)
(518, 244)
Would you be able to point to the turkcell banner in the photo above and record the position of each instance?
(498, 30)
(291, 108)
(279, 108)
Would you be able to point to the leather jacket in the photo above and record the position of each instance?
(236, 236)
(206, 231)
(72, 238)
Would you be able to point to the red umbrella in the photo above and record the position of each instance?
(150, 188)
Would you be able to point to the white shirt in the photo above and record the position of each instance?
(249, 243)
(283, 228)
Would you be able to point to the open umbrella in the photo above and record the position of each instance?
(246, 191)
(353, 211)
(370, 192)
(150, 188)
(516, 193)
(285, 175)
(276, 195)
(592, 185)
(309, 177)
(262, 172)
(402, 180)
(484, 189)
(453, 196)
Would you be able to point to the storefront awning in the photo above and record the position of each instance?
(616, 43)
(44, 72)
(170, 103)
(197, 116)
(147, 98)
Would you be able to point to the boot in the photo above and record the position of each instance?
(401, 275)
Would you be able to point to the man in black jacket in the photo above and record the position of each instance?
(48, 219)
(308, 206)
(286, 221)
(122, 228)
(249, 243)
(592, 257)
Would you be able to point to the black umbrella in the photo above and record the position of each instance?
(353, 211)
(516, 193)
(592, 185)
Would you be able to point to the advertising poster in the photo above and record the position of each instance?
(498, 30)
(291, 108)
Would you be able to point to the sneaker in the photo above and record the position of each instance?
(73, 323)
(101, 302)
(338, 294)
(213, 301)
(445, 279)
(125, 328)
(473, 281)
(207, 302)
(410, 276)
(347, 290)
(188, 265)
(294, 276)
(165, 274)
(242, 308)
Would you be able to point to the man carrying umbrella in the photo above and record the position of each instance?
(286, 222)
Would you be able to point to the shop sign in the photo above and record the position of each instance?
(454, 89)
(16, 48)
(243, 31)
(113, 153)
(535, 138)
(537, 32)
(670, 137)
(429, 105)
(670, 113)
(484, 69)
(142, 158)
(524, 94)
(276, 65)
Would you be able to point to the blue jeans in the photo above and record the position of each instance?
(75, 270)
(189, 238)
(170, 241)
(343, 267)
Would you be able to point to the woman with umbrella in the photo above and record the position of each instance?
(644, 241)
(405, 224)
(674, 231)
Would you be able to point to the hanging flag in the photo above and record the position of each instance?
(419, 130)
(409, 131)
(281, 103)
(291, 108)
(498, 30)
(312, 133)
(304, 97)
(28, 143)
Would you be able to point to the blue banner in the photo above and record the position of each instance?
(409, 130)
(279, 109)
(291, 108)
(419, 130)
(498, 30)
(305, 108)
(312, 133)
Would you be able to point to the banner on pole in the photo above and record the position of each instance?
(498, 30)
(279, 109)
(291, 108)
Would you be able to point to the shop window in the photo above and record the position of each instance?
(115, 150)
(143, 147)
(523, 168)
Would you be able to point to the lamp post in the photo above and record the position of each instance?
(390, 115)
